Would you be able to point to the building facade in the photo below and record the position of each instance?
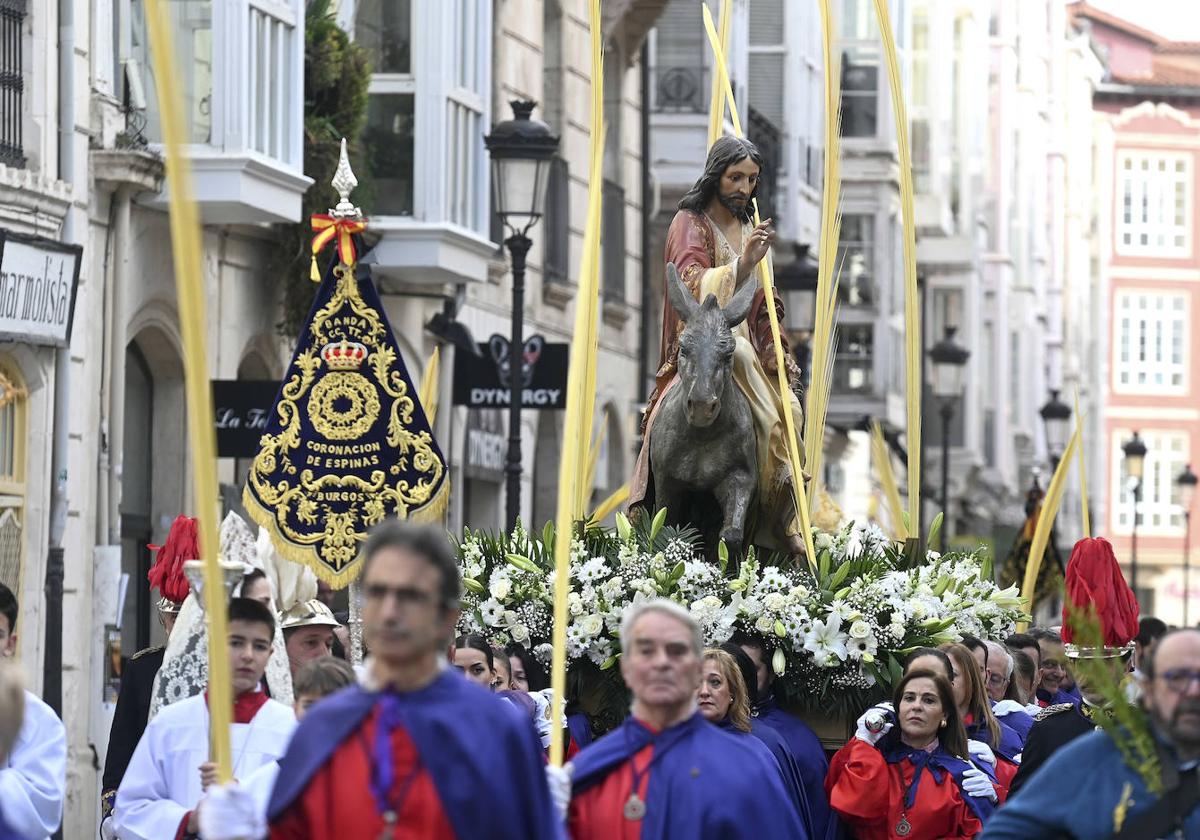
(1147, 129)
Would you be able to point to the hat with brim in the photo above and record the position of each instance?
(166, 605)
(312, 613)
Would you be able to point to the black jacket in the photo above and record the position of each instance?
(1055, 726)
(129, 720)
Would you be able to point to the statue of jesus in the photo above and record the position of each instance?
(716, 248)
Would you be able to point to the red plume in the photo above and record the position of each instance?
(1094, 578)
(183, 544)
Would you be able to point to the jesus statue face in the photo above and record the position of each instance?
(738, 184)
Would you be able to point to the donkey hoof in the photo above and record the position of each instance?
(732, 538)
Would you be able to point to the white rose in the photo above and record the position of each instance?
(508, 618)
(774, 601)
(860, 630)
(592, 625)
(519, 633)
(500, 588)
(764, 624)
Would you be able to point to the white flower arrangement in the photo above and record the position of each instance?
(844, 626)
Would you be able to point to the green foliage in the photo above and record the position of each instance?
(336, 76)
(1126, 723)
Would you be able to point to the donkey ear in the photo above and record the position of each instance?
(681, 298)
(739, 305)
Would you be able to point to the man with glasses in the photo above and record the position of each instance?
(416, 751)
(1115, 801)
(1052, 671)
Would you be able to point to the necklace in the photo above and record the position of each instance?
(903, 826)
(635, 806)
(382, 771)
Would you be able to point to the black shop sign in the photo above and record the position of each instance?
(241, 408)
(483, 381)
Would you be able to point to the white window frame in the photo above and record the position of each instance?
(450, 113)
(1152, 176)
(1158, 513)
(1136, 321)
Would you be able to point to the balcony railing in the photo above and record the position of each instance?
(12, 85)
(681, 89)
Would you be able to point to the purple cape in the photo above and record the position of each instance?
(782, 756)
(478, 750)
(938, 763)
(704, 784)
(810, 758)
(1010, 745)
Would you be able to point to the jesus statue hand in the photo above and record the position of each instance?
(757, 244)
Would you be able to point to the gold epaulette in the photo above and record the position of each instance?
(1050, 711)
(145, 651)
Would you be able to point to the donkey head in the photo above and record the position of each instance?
(706, 345)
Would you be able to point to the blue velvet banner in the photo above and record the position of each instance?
(347, 443)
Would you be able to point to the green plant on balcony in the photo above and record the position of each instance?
(336, 75)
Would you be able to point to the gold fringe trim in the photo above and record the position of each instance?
(432, 512)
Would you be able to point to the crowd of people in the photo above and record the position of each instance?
(445, 736)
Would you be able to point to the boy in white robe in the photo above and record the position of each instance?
(33, 776)
(164, 781)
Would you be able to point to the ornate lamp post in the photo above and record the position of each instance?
(521, 149)
(1186, 482)
(949, 362)
(1056, 417)
(1135, 465)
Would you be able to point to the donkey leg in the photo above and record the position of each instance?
(733, 494)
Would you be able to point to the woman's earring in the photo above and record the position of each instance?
(943, 724)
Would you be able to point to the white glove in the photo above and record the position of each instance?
(1007, 707)
(976, 783)
(558, 779)
(541, 716)
(230, 812)
(874, 724)
(1032, 709)
(982, 752)
(108, 829)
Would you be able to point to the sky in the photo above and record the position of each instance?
(1170, 18)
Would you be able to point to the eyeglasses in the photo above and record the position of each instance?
(1180, 680)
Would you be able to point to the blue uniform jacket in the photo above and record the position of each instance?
(1075, 794)
(479, 750)
(810, 758)
(707, 785)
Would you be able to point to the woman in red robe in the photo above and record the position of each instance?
(915, 781)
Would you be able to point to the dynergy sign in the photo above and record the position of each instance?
(483, 381)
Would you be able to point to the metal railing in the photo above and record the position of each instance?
(12, 82)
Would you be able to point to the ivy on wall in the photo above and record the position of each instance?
(336, 75)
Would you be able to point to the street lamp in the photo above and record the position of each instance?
(949, 362)
(1135, 465)
(1186, 482)
(521, 150)
(1056, 416)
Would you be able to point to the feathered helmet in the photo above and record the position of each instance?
(166, 574)
(1094, 582)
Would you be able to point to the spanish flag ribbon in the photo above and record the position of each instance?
(327, 227)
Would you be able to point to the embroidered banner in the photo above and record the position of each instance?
(347, 443)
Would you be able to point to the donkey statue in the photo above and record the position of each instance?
(702, 446)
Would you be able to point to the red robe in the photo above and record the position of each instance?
(598, 812)
(691, 246)
(331, 807)
(867, 792)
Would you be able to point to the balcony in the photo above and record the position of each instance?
(427, 115)
(241, 66)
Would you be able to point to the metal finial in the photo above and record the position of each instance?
(344, 182)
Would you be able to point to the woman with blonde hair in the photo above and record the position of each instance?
(724, 699)
(971, 700)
